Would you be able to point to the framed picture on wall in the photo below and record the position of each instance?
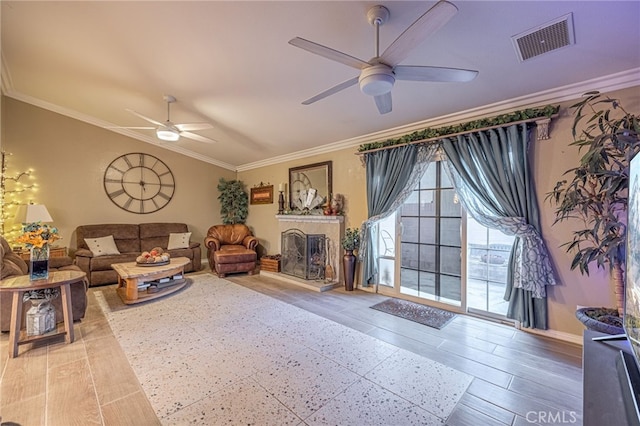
(262, 195)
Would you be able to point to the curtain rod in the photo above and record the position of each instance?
(541, 122)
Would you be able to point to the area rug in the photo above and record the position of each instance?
(220, 353)
(426, 315)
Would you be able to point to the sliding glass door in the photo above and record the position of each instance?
(430, 243)
(430, 250)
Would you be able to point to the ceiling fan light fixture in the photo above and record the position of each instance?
(167, 134)
(376, 80)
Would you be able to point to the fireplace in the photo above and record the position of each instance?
(332, 228)
(303, 255)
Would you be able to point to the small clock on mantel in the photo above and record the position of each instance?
(139, 183)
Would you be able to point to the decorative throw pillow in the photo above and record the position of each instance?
(102, 246)
(179, 240)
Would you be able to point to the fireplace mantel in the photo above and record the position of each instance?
(311, 218)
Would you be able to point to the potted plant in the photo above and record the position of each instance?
(234, 201)
(350, 243)
(595, 192)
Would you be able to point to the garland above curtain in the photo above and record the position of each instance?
(542, 117)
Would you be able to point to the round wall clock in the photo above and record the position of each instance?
(139, 183)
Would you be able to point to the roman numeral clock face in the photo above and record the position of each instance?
(139, 183)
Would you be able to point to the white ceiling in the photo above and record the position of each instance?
(229, 63)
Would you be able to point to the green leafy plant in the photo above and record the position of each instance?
(234, 201)
(429, 133)
(351, 239)
(596, 190)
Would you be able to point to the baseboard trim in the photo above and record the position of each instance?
(555, 334)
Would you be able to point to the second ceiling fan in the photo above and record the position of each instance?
(378, 75)
(169, 131)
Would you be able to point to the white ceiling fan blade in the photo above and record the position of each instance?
(185, 127)
(150, 120)
(437, 74)
(433, 19)
(196, 137)
(328, 53)
(383, 102)
(329, 92)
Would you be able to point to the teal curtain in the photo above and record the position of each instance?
(391, 176)
(491, 174)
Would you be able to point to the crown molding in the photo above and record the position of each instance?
(6, 84)
(609, 83)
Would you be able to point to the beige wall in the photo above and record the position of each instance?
(69, 159)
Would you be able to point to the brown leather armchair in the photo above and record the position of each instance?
(230, 249)
(11, 264)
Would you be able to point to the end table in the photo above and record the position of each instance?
(20, 284)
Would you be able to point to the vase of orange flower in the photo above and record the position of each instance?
(38, 237)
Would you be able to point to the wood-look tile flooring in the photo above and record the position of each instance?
(519, 378)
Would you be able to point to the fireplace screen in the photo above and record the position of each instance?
(303, 255)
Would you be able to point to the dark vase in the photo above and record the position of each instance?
(39, 263)
(349, 262)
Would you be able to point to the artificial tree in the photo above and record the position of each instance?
(234, 201)
(596, 190)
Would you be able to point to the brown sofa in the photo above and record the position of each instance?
(230, 249)
(13, 265)
(131, 240)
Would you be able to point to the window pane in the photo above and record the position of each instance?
(386, 236)
(476, 268)
(487, 267)
(410, 229)
(385, 272)
(450, 261)
(427, 202)
(410, 255)
(496, 301)
(428, 180)
(428, 230)
(498, 273)
(410, 206)
(409, 278)
(427, 258)
(427, 283)
(450, 232)
(444, 179)
(450, 287)
(450, 206)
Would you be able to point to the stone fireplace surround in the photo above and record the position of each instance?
(333, 228)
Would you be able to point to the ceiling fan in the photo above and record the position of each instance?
(378, 75)
(169, 131)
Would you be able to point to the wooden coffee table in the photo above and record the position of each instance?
(21, 284)
(130, 275)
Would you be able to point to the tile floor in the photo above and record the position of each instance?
(201, 360)
(91, 382)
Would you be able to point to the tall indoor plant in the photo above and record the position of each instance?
(595, 192)
(234, 201)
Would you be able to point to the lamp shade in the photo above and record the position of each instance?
(30, 213)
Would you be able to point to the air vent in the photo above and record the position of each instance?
(544, 38)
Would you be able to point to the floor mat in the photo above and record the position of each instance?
(426, 315)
